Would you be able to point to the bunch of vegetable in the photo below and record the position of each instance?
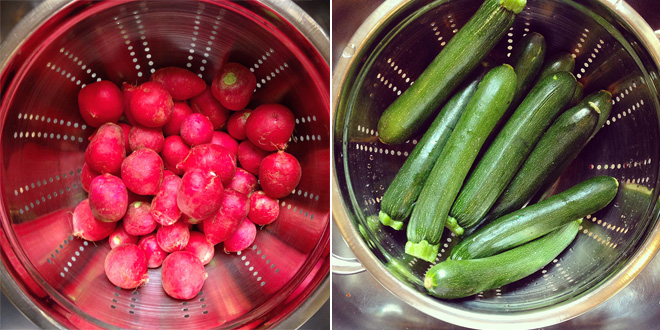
(502, 137)
(176, 166)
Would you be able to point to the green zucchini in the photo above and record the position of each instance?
(557, 63)
(577, 95)
(427, 221)
(453, 279)
(538, 219)
(513, 143)
(558, 147)
(527, 60)
(603, 101)
(412, 109)
(400, 196)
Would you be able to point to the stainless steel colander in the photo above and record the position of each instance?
(613, 48)
(58, 280)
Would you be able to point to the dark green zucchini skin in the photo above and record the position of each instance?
(452, 279)
(535, 220)
(399, 198)
(415, 106)
(511, 147)
(428, 219)
(558, 147)
(527, 60)
(557, 63)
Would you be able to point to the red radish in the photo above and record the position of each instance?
(200, 193)
(101, 102)
(119, 236)
(164, 206)
(127, 91)
(243, 182)
(180, 284)
(126, 266)
(138, 220)
(210, 157)
(222, 224)
(263, 208)
(234, 85)
(173, 126)
(279, 174)
(225, 140)
(196, 129)
(173, 237)
(106, 150)
(108, 198)
(86, 176)
(210, 107)
(182, 84)
(87, 227)
(151, 105)
(191, 221)
(167, 173)
(270, 126)
(141, 137)
(142, 172)
(250, 156)
(126, 129)
(201, 247)
(242, 238)
(236, 124)
(155, 255)
(174, 152)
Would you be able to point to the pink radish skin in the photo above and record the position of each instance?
(87, 227)
(242, 238)
(263, 208)
(155, 255)
(174, 152)
(86, 176)
(225, 140)
(164, 206)
(196, 129)
(173, 126)
(142, 172)
(107, 149)
(279, 174)
(174, 237)
(126, 266)
(201, 247)
(236, 124)
(222, 224)
(210, 157)
(270, 126)
(141, 137)
(119, 236)
(151, 105)
(127, 91)
(200, 193)
(101, 102)
(243, 182)
(233, 86)
(182, 84)
(250, 156)
(207, 105)
(126, 129)
(180, 284)
(138, 220)
(108, 198)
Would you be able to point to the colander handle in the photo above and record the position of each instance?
(345, 266)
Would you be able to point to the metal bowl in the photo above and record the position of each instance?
(614, 49)
(58, 280)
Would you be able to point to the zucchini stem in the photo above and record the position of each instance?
(452, 224)
(422, 250)
(387, 221)
(515, 6)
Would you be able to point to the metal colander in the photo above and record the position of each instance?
(613, 49)
(58, 280)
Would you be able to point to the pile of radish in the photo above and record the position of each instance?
(176, 166)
